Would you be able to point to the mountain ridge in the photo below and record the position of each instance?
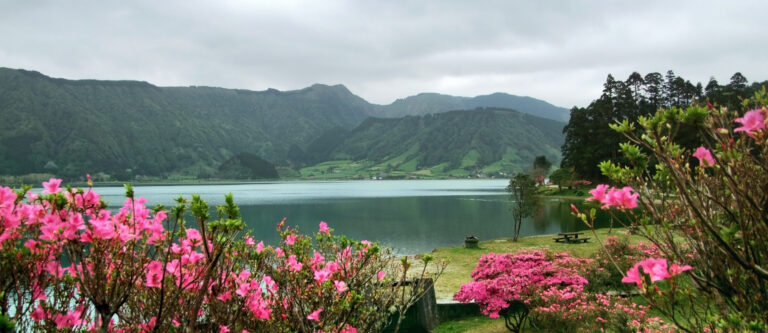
(391, 110)
(132, 128)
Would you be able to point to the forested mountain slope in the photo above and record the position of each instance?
(486, 140)
(426, 103)
(134, 128)
(127, 129)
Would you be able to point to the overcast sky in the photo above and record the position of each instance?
(559, 51)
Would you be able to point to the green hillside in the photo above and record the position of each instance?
(128, 128)
(451, 144)
(123, 130)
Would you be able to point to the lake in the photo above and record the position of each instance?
(410, 216)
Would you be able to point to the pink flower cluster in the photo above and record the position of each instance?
(623, 198)
(704, 156)
(753, 121)
(130, 252)
(567, 311)
(657, 270)
(525, 275)
(553, 289)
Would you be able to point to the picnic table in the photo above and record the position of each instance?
(570, 237)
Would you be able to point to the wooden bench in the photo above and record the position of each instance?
(577, 240)
(570, 237)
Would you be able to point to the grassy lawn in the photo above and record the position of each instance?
(476, 325)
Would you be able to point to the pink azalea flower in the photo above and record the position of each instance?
(655, 268)
(349, 329)
(72, 318)
(7, 197)
(31, 244)
(260, 308)
(103, 229)
(633, 276)
(624, 199)
(290, 239)
(619, 198)
(381, 275)
(704, 156)
(194, 236)
(225, 296)
(243, 289)
(39, 313)
(223, 329)
(598, 193)
(249, 241)
(52, 186)
(317, 258)
(260, 247)
(333, 267)
(154, 274)
(322, 275)
(324, 228)
(340, 286)
(32, 196)
(270, 284)
(315, 315)
(675, 269)
(54, 268)
(293, 265)
(752, 121)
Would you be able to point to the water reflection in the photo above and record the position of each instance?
(413, 224)
(409, 216)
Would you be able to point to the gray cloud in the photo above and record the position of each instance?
(559, 51)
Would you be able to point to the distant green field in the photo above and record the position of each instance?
(404, 166)
(470, 159)
(343, 169)
(409, 166)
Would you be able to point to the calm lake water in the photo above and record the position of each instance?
(410, 216)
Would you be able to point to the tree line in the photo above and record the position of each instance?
(589, 139)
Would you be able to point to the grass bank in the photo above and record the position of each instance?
(552, 191)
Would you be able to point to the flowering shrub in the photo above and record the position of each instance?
(72, 265)
(524, 276)
(704, 210)
(588, 312)
(581, 182)
(552, 287)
